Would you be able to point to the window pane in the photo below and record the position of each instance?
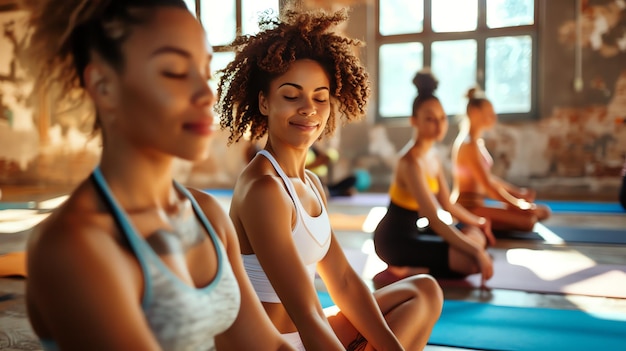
(250, 11)
(508, 76)
(454, 65)
(401, 16)
(219, 61)
(191, 5)
(218, 18)
(398, 65)
(454, 15)
(509, 13)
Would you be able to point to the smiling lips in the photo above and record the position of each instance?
(200, 128)
(305, 125)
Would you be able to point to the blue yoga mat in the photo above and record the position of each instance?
(491, 327)
(572, 235)
(325, 299)
(583, 207)
(579, 206)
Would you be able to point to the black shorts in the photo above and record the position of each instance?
(399, 242)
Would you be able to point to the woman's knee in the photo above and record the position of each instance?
(428, 288)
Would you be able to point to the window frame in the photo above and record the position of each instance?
(480, 34)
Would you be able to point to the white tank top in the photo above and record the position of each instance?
(311, 236)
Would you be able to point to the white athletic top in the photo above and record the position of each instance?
(311, 236)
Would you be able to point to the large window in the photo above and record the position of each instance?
(225, 19)
(465, 42)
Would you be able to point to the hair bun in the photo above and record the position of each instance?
(425, 82)
(471, 93)
(475, 93)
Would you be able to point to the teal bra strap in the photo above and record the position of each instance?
(127, 229)
(207, 225)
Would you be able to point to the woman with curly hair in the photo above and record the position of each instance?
(474, 182)
(133, 260)
(290, 82)
(417, 234)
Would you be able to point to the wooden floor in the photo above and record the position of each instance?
(15, 332)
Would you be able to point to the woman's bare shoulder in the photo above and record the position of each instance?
(467, 149)
(81, 221)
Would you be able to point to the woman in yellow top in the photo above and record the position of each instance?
(473, 180)
(414, 236)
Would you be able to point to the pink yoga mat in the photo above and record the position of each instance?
(551, 271)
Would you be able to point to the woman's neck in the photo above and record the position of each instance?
(475, 132)
(421, 146)
(139, 181)
(292, 160)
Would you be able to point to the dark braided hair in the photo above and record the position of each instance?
(265, 56)
(426, 84)
(64, 33)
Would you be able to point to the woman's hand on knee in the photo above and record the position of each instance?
(485, 228)
(485, 264)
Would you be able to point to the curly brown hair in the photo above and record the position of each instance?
(261, 58)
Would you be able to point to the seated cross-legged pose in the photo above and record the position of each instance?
(290, 82)
(474, 182)
(417, 234)
(133, 260)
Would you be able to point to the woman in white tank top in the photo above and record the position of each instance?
(289, 83)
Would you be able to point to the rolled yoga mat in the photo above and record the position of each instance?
(13, 264)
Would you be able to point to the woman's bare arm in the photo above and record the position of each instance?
(252, 327)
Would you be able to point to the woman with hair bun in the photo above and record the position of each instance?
(418, 234)
(133, 260)
(473, 180)
(290, 82)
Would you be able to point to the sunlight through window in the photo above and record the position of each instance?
(454, 15)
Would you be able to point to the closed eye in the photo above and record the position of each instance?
(290, 98)
(175, 75)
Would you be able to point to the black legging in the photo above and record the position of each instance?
(398, 242)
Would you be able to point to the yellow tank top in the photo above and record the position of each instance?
(402, 197)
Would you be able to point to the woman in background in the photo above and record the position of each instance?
(474, 182)
(133, 260)
(290, 82)
(415, 235)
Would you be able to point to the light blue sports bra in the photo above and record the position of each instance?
(180, 316)
(311, 236)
